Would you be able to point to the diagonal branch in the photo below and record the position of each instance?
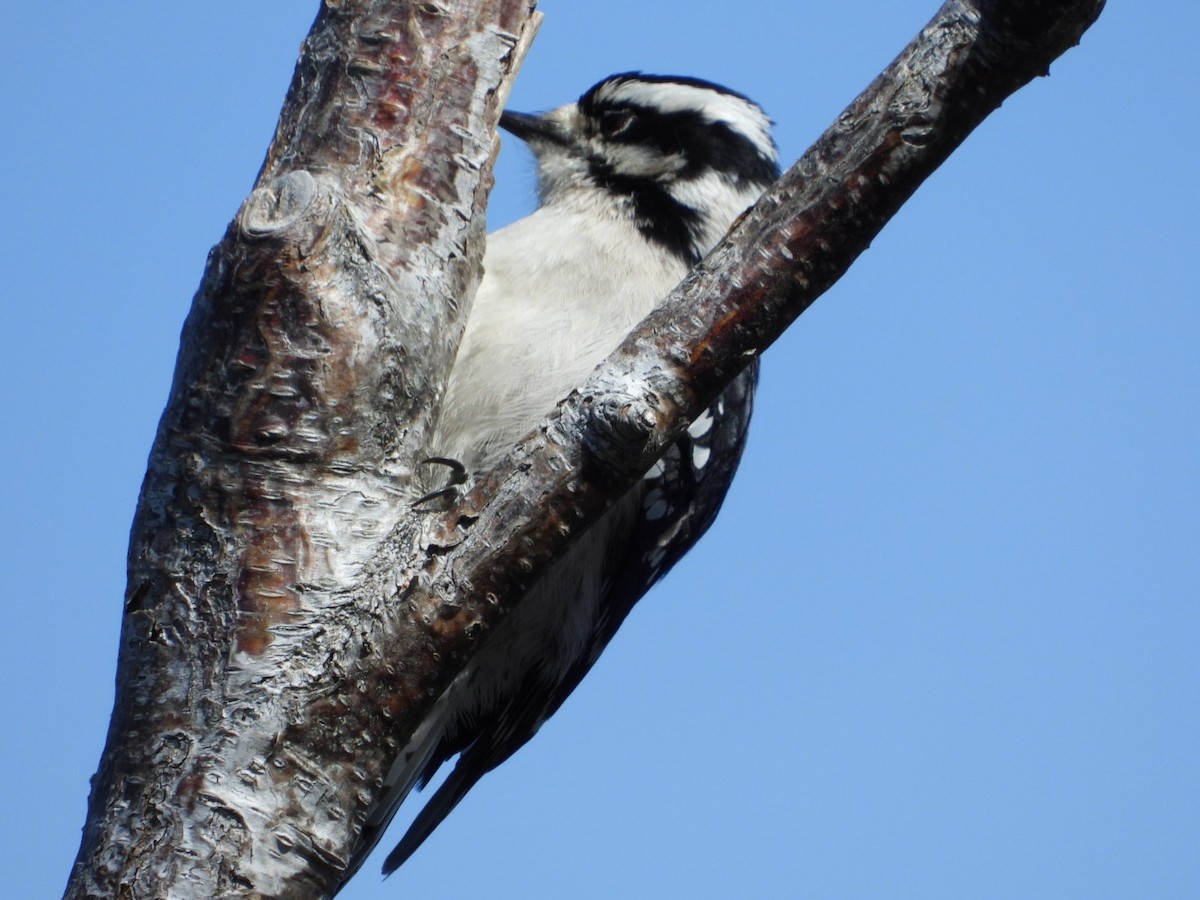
(794, 244)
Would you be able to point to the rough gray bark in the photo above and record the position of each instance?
(288, 617)
(264, 680)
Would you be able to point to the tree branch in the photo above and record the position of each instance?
(798, 240)
(288, 618)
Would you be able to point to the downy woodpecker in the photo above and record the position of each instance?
(638, 180)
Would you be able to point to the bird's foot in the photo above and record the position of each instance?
(450, 491)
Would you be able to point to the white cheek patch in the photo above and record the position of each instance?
(639, 161)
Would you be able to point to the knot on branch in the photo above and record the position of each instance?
(278, 204)
(621, 426)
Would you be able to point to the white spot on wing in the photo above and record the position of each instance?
(657, 510)
(701, 426)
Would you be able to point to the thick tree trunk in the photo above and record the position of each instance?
(288, 617)
(266, 664)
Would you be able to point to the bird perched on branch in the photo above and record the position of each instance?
(638, 180)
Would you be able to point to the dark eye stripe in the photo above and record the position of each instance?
(615, 122)
(705, 145)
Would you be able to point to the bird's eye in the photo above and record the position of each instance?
(615, 121)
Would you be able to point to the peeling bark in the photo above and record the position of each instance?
(288, 617)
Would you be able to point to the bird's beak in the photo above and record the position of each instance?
(533, 129)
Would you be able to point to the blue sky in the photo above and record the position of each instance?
(943, 641)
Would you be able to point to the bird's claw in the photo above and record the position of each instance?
(458, 477)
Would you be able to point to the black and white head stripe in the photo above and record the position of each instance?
(682, 157)
(712, 126)
(687, 155)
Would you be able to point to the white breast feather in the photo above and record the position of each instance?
(561, 289)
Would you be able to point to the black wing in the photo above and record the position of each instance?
(680, 498)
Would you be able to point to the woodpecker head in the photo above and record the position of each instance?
(679, 156)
